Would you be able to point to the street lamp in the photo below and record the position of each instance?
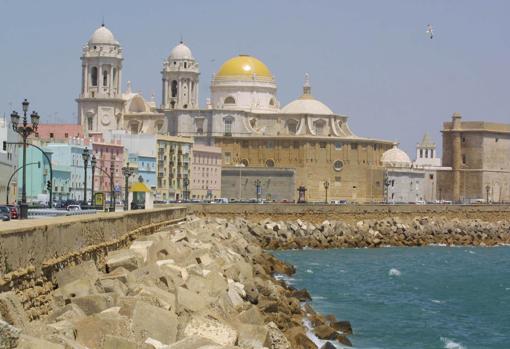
(127, 172)
(112, 192)
(85, 155)
(257, 188)
(326, 187)
(488, 189)
(93, 163)
(24, 130)
(301, 194)
(185, 182)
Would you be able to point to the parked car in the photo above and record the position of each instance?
(14, 211)
(73, 207)
(5, 213)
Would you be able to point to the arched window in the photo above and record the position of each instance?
(185, 64)
(271, 102)
(230, 100)
(89, 123)
(253, 122)
(269, 163)
(292, 126)
(105, 78)
(114, 78)
(93, 75)
(174, 88)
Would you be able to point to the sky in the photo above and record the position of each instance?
(368, 59)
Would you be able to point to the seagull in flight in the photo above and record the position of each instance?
(430, 31)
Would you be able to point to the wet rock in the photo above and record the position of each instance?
(325, 332)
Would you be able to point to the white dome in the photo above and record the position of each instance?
(395, 157)
(181, 51)
(103, 35)
(307, 106)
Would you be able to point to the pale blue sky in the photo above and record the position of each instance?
(370, 60)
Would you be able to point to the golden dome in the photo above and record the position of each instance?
(244, 65)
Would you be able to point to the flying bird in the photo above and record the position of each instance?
(430, 31)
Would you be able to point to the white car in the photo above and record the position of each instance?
(74, 208)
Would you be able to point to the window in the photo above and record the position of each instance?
(105, 78)
(228, 127)
(431, 176)
(271, 102)
(338, 145)
(270, 145)
(230, 100)
(296, 145)
(93, 74)
(464, 159)
(338, 165)
(89, 124)
(319, 127)
(354, 146)
(52, 135)
(253, 122)
(421, 153)
(292, 126)
(174, 88)
(269, 163)
(244, 162)
(322, 145)
(227, 158)
(244, 144)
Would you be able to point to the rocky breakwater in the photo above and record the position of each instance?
(419, 231)
(205, 283)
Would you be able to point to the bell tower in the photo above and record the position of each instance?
(180, 79)
(100, 103)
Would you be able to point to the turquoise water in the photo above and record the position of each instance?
(425, 297)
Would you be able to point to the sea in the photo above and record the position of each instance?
(413, 297)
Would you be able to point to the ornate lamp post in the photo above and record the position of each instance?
(301, 192)
(127, 172)
(85, 155)
(24, 130)
(257, 188)
(93, 163)
(326, 187)
(488, 190)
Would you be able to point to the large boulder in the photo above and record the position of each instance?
(127, 259)
(154, 322)
(325, 332)
(298, 338)
(212, 329)
(11, 310)
(9, 335)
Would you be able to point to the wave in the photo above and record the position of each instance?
(309, 271)
(394, 272)
(449, 344)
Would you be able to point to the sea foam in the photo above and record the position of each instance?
(449, 344)
(394, 272)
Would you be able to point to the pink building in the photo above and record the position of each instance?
(59, 132)
(205, 182)
(107, 153)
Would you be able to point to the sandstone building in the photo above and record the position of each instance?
(479, 155)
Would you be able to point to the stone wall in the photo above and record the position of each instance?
(351, 213)
(32, 251)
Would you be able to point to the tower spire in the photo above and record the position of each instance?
(307, 88)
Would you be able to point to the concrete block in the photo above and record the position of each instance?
(95, 303)
(142, 248)
(78, 288)
(28, 342)
(165, 300)
(191, 301)
(84, 271)
(68, 312)
(12, 311)
(127, 259)
(251, 316)
(154, 322)
(91, 331)
(121, 274)
(195, 342)
(65, 328)
(114, 342)
(253, 336)
(114, 286)
(212, 329)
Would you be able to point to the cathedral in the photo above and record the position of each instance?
(242, 116)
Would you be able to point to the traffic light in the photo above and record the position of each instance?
(4, 145)
(48, 185)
